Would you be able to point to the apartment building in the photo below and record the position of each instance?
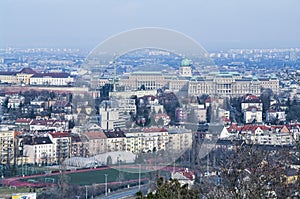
(146, 140)
(62, 146)
(39, 150)
(7, 139)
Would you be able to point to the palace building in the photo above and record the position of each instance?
(213, 83)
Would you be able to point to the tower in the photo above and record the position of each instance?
(185, 68)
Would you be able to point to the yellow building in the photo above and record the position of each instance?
(8, 77)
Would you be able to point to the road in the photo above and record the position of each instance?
(125, 193)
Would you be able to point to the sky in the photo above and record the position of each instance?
(216, 24)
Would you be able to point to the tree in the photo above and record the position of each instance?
(63, 186)
(160, 122)
(250, 171)
(170, 189)
(265, 97)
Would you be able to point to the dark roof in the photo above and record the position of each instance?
(37, 140)
(78, 138)
(60, 134)
(114, 134)
(53, 75)
(27, 71)
(61, 103)
(7, 73)
(292, 172)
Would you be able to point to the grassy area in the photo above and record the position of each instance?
(92, 177)
(6, 192)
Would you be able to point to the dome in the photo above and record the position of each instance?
(185, 62)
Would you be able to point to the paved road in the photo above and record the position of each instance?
(125, 193)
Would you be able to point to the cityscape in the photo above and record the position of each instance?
(149, 112)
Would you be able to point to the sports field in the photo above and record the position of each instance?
(88, 177)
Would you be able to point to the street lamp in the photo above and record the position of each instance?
(86, 193)
(106, 184)
(119, 161)
(139, 177)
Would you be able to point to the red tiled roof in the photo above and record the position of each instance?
(234, 127)
(250, 108)
(253, 127)
(189, 175)
(251, 98)
(23, 120)
(95, 135)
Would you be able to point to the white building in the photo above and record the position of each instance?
(252, 114)
(111, 118)
(275, 114)
(15, 101)
(51, 79)
(146, 140)
(185, 69)
(62, 146)
(39, 150)
(184, 177)
(252, 107)
(115, 112)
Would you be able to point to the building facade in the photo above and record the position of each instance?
(7, 140)
(215, 83)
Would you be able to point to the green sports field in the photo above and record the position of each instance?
(88, 177)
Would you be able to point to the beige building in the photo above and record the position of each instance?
(116, 140)
(21, 77)
(147, 79)
(214, 83)
(8, 77)
(227, 84)
(97, 142)
(180, 139)
(24, 78)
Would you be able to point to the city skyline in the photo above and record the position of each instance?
(216, 25)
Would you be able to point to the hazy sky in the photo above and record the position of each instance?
(216, 24)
